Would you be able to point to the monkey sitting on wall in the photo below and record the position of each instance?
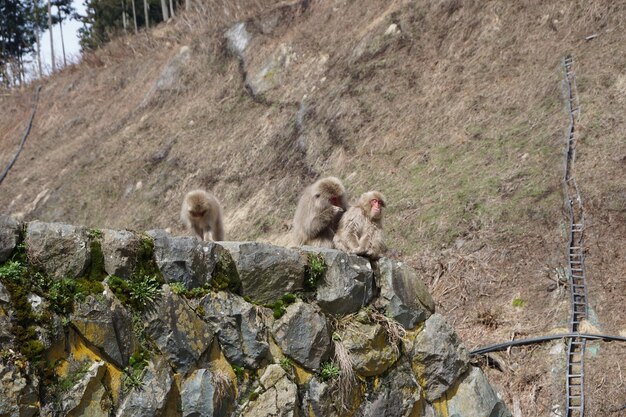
(361, 227)
(201, 213)
(318, 212)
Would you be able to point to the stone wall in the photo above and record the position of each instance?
(116, 323)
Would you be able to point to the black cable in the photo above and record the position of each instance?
(30, 124)
(501, 346)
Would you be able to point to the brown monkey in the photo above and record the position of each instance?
(361, 228)
(319, 210)
(201, 212)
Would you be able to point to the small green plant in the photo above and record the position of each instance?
(197, 292)
(132, 379)
(286, 364)
(144, 291)
(94, 234)
(11, 270)
(178, 288)
(239, 372)
(253, 396)
(518, 302)
(315, 271)
(329, 371)
(76, 372)
(61, 296)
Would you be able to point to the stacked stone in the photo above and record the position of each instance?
(226, 352)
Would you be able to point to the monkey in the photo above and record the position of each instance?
(361, 228)
(201, 213)
(318, 212)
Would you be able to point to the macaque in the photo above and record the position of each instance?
(202, 214)
(361, 228)
(318, 213)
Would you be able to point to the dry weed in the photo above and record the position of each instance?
(347, 378)
(222, 384)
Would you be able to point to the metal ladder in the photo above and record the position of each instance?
(574, 385)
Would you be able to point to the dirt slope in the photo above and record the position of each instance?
(453, 109)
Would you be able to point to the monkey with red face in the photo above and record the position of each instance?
(361, 227)
(318, 212)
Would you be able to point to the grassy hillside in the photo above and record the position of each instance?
(454, 109)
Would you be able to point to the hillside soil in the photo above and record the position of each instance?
(455, 110)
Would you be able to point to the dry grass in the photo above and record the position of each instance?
(222, 385)
(347, 382)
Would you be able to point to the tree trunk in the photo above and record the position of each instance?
(54, 68)
(164, 10)
(62, 42)
(38, 51)
(134, 16)
(172, 8)
(124, 16)
(146, 13)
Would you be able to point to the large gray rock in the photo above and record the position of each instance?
(278, 397)
(266, 271)
(6, 337)
(438, 357)
(120, 249)
(193, 263)
(302, 333)
(237, 39)
(348, 284)
(106, 324)
(5, 298)
(60, 250)
(474, 397)
(9, 236)
(403, 295)
(398, 395)
(18, 397)
(86, 397)
(205, 394)
(242, 333)
(272, 72)
(322, 399)
(181, 336)
(155, 394)
(370, 351)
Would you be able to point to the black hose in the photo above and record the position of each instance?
(30, 124)
(501, 346)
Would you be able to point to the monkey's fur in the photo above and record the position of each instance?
(361, 227)
(319, 210)
(201, 213)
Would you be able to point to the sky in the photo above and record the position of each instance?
(70, 37)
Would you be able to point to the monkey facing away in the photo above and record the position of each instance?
(318, 212)
(361, 227)
(201, 213)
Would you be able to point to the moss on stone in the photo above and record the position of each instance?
(95, 270)
(14, 275)
(120, 288)
(225, 275)
(146, 264)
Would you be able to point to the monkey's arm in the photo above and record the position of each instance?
(347, 236)
(323, 220)
(375, 246)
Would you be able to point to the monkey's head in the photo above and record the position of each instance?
(197, 204)
(372, 204)
(330, 190)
